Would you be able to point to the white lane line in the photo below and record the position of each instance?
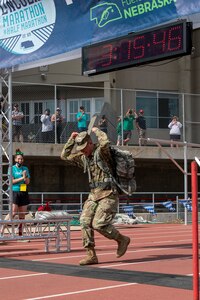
(22, 276)
(191, 274)
(83, 291)
(155, 230)
(137, 236)
(111, 253)
(133, 236)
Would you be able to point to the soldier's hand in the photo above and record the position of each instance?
(74, 135)
(94, 129)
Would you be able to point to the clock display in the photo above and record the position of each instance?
(159, 43)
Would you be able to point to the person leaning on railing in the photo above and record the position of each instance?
(175, 132)
(57, 120)
(47, 127)
(17, 117)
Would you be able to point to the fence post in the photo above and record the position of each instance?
(177, 207)
(122, 116)
(153, 201)
(81, 202)
(55, 106)
(42, 199)
(194, 184)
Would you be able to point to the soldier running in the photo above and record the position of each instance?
(101, 205)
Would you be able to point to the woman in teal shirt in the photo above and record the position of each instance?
(20, 180)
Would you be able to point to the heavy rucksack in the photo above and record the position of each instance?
(124, 170)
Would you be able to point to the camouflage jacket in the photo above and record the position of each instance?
(100, 181)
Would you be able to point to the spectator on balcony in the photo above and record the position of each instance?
(119, 131)
(175, 130)
(103, 124)
(47, 127)
(57, 120)
(141, 127)
(17, 117)
(82, 119)
(128, 125)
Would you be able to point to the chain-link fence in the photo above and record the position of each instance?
(159, 107)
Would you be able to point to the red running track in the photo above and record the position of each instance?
(157, 265)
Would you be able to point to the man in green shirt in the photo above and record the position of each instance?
(128, 125)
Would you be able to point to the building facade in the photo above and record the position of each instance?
(161, 89)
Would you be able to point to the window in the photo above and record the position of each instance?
(73, 109)
(34, 109)
(25, 108)
(38, 110)
(158, 107)
(98, 105)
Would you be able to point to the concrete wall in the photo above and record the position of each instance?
(154, 171)
(54, 175)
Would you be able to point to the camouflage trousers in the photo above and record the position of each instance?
(98, 215)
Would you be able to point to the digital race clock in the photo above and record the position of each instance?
(158, 43)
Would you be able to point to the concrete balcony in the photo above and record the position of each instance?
(144, 152)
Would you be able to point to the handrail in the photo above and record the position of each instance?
(153, 198)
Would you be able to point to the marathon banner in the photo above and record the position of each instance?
(32, 30)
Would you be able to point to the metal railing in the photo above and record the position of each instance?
(115, 102)
(73, 201)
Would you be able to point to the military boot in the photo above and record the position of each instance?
(90, 259)
(123, 242)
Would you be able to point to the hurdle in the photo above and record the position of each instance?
(52, 231)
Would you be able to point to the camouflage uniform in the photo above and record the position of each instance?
(101, 205)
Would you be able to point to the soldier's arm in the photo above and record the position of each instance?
(68, 156)
(103, 140)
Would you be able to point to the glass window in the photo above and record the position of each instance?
(73, 109)
(50, 104)
(86, 103)
(158, 107)
(26, 111)
(38, 111)
(98, 105)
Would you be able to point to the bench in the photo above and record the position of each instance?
(56, 230)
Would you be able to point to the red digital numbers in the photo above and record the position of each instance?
(159, 39)
(107, 56)
(139, 47)
(174, 39)
(142, 46)
(168, 40)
